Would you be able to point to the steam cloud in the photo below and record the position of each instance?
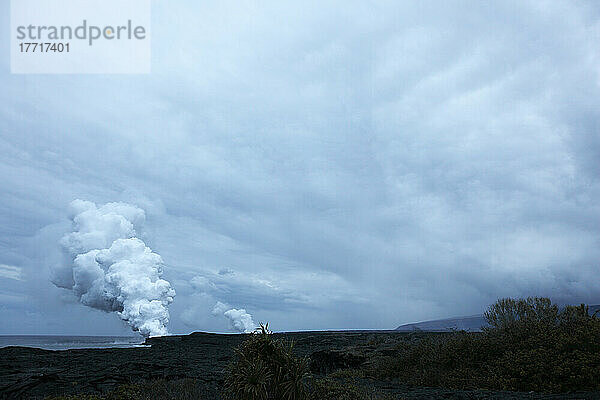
(239, 320)
(110, 269)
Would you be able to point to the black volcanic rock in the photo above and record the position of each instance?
(327, 361)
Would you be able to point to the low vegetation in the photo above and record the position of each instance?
(181, 389)
(266, 368)
(531, 345)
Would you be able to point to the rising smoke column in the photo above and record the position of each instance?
(239, 320)
(110, 269)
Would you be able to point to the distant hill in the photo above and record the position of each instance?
(471, 323)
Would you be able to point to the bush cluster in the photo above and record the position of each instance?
(180, 389)
(344, 389)
(530, 345)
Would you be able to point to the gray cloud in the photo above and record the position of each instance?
(354, 166)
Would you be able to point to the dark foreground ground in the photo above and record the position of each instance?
(27, 373)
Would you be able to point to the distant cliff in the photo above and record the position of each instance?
(471, 323)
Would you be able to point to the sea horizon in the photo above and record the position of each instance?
(67, 342)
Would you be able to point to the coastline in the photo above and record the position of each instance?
(36, 373)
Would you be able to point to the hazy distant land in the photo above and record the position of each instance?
(471, 323)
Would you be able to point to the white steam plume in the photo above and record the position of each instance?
(239, 320)
(110, 269)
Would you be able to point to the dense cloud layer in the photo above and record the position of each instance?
(337, 165)
(110, 269)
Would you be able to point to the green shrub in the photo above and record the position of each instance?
(266, 368)
(550, 353)
(333, 389)
(453, 360)
(180, 389)
(507, 313)
(530, 345)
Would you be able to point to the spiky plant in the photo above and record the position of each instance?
(265, 368)
(249, 380)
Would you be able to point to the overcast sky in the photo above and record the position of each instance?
(321, 164)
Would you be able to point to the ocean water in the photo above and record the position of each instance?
(71, 342)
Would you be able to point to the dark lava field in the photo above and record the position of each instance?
(28, 373)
